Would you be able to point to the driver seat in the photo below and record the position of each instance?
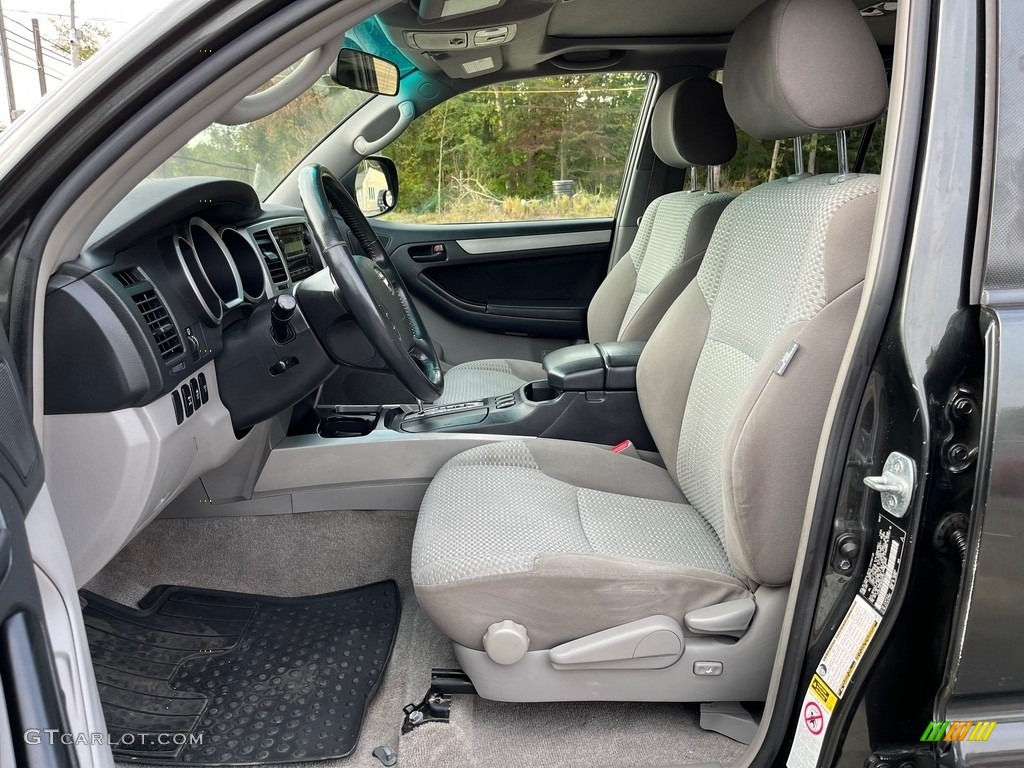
(690, 127)
(564, 571)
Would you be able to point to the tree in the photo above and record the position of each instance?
(91, 37)
(260, 153)
(513, 139)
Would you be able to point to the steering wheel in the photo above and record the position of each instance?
(370, 285)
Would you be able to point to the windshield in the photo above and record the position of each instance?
(261, 153)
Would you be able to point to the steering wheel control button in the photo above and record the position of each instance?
(506, 642)
(281, 318)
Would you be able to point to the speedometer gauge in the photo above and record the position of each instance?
(215, 260)
(209, 301)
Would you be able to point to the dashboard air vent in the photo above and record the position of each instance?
(129, 277)
(278, 272)
(159, 323)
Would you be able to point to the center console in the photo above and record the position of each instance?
(589, 395)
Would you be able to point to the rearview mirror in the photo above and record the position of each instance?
(364, 72)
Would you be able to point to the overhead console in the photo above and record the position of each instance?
(458, 41)
(464, 38)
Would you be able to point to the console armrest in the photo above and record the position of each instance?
(620, 360)
(606, 366)
(575, 369)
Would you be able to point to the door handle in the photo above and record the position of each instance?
(425, 254)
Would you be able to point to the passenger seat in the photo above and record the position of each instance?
(690, 128)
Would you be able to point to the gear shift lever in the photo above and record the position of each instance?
(281, 316)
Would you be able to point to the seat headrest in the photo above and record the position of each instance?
(796, 67)
(691, 126)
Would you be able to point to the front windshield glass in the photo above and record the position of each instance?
(261, 153)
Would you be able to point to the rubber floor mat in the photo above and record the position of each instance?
(199, 677)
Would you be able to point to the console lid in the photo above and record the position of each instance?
(605, 366)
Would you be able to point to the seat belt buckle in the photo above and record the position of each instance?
(626, 447)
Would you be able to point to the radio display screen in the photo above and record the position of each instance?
(294, 244)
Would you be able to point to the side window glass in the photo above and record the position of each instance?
(527, 150)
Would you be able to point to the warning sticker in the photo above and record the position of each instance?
(815, 713)
(847, 647)
(829, 684)
(880, 579)
(823, 693)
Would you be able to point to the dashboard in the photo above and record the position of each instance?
(146, 306)
(160, 358)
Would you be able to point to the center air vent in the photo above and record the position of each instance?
(278, 272)
(159, 322)
(129, 277)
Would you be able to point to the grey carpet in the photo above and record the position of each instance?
(292, 555)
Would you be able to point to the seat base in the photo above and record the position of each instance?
(729, 718)
(746, 669)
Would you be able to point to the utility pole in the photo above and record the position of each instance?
(76, 57)
(39, 57)
(5, 53)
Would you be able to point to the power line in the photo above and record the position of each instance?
(56, 54)
(32, 47)
(189, 158)
(37, 12)
(22, 63)
(30, 54)
(57, 46)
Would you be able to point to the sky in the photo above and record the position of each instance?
(116, 15)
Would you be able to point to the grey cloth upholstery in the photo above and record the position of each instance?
(568, 540)
(785, 265)
(795, 67)
(691, 126)
(560, 545)
(478, 379)
(669, 245)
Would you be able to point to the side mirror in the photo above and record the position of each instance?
(376, 186)
(364, 72)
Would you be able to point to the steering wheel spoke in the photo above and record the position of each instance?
(371, 287)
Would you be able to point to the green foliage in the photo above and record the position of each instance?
(510, 141)
(752, 164)
(91, 37)
(261, 153)
(479, 209)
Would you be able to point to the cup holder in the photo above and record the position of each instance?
(348, 424)
(540, 392)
